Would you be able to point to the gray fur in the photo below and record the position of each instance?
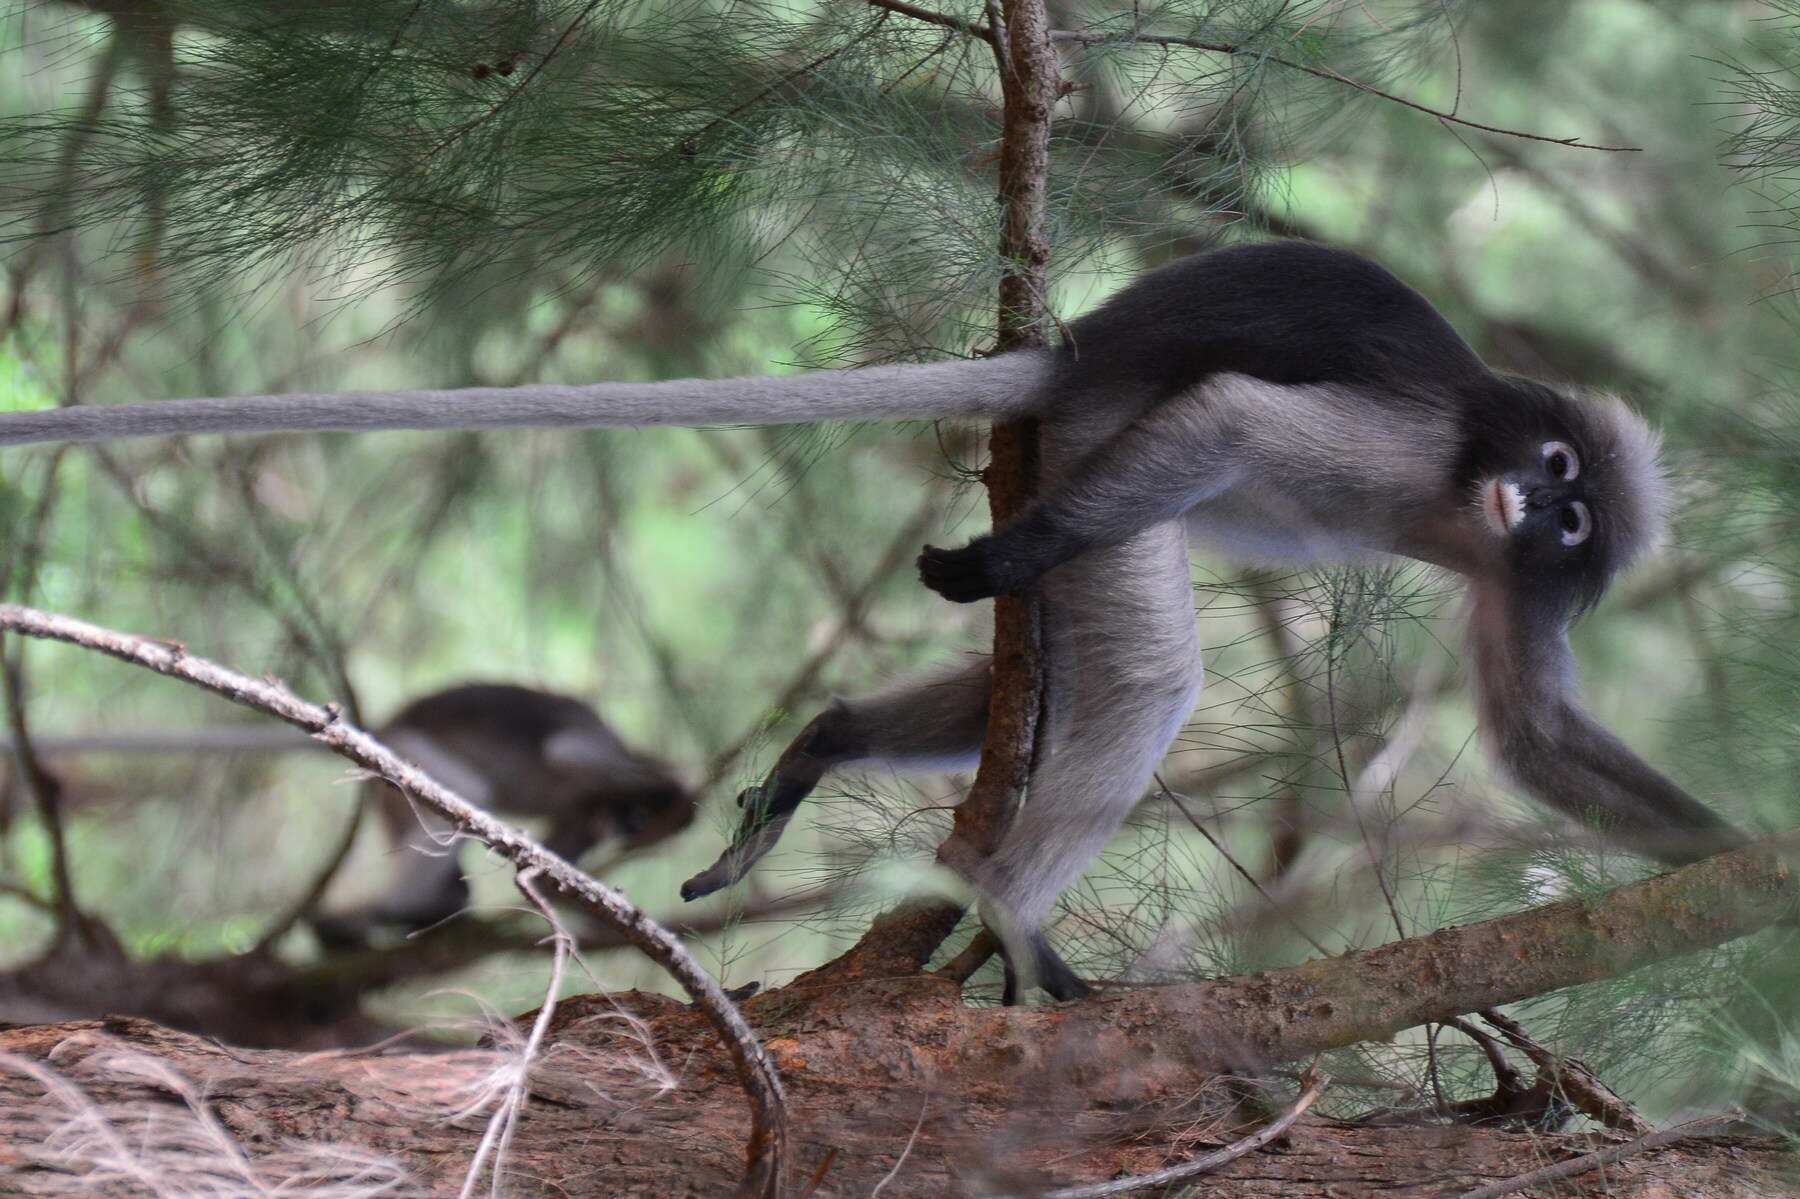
(1123, 671)
(1533, 725)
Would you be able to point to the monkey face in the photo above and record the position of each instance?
(1567, 490)
(1542, 504)
(1543, 513)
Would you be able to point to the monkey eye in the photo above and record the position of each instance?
(1575, 522)
(1561, 460)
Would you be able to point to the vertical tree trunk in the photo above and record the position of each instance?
(1029, 85)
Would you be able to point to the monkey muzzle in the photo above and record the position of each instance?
(1503, 506)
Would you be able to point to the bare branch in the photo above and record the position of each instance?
(1590, 1161)
(1205, 1163)
(1448, 117)
(1578, 1084)
(767, 1147)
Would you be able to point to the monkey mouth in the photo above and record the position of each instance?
(1503, 505)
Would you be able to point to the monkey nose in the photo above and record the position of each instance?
(1540, 497)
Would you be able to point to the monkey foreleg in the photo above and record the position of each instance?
(1172, 457)
(1525, 691)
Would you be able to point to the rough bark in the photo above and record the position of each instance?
(978, 1100)
(884, 1086)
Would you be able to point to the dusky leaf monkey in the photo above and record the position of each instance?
(1286, 402)
(520, 751)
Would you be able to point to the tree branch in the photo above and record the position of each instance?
(1591, 1161)
(906, 937)
(1234, 49)
(984, 32)
(1028, 84)
(1327, 1003)
(767, 1147)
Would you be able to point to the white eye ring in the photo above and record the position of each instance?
(1571, 461)
(1584, 523)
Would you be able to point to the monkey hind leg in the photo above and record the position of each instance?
(1124, 658)
(935, 723)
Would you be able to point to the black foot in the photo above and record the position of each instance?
(961, 576)
(730, 867)
(758, 830)
(1052, 974)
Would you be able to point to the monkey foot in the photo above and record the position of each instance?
(1052, 974)
(717, 877)
(756, 836)
(961, 576)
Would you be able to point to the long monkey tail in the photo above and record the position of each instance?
(964, 389)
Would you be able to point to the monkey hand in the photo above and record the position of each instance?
(974, 572)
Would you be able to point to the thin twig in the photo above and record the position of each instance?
(799, 71)
(1136, 38)
(984, 32)
(1213, 841)
(536, 69)
(906, 1151)
(1507, 1080)
(45, 792)
(43, 788)
(517, 1093)
(1591, 1161)
(899, 554)
(1232, 48)
(972, 957)
(302, 907)
(1200, 1165)
(767, 1147)
(1362, 827)
(1573, 1080)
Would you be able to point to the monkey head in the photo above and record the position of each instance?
(1570, 493)
(645, 814)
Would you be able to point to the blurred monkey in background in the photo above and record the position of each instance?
(519, 751)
